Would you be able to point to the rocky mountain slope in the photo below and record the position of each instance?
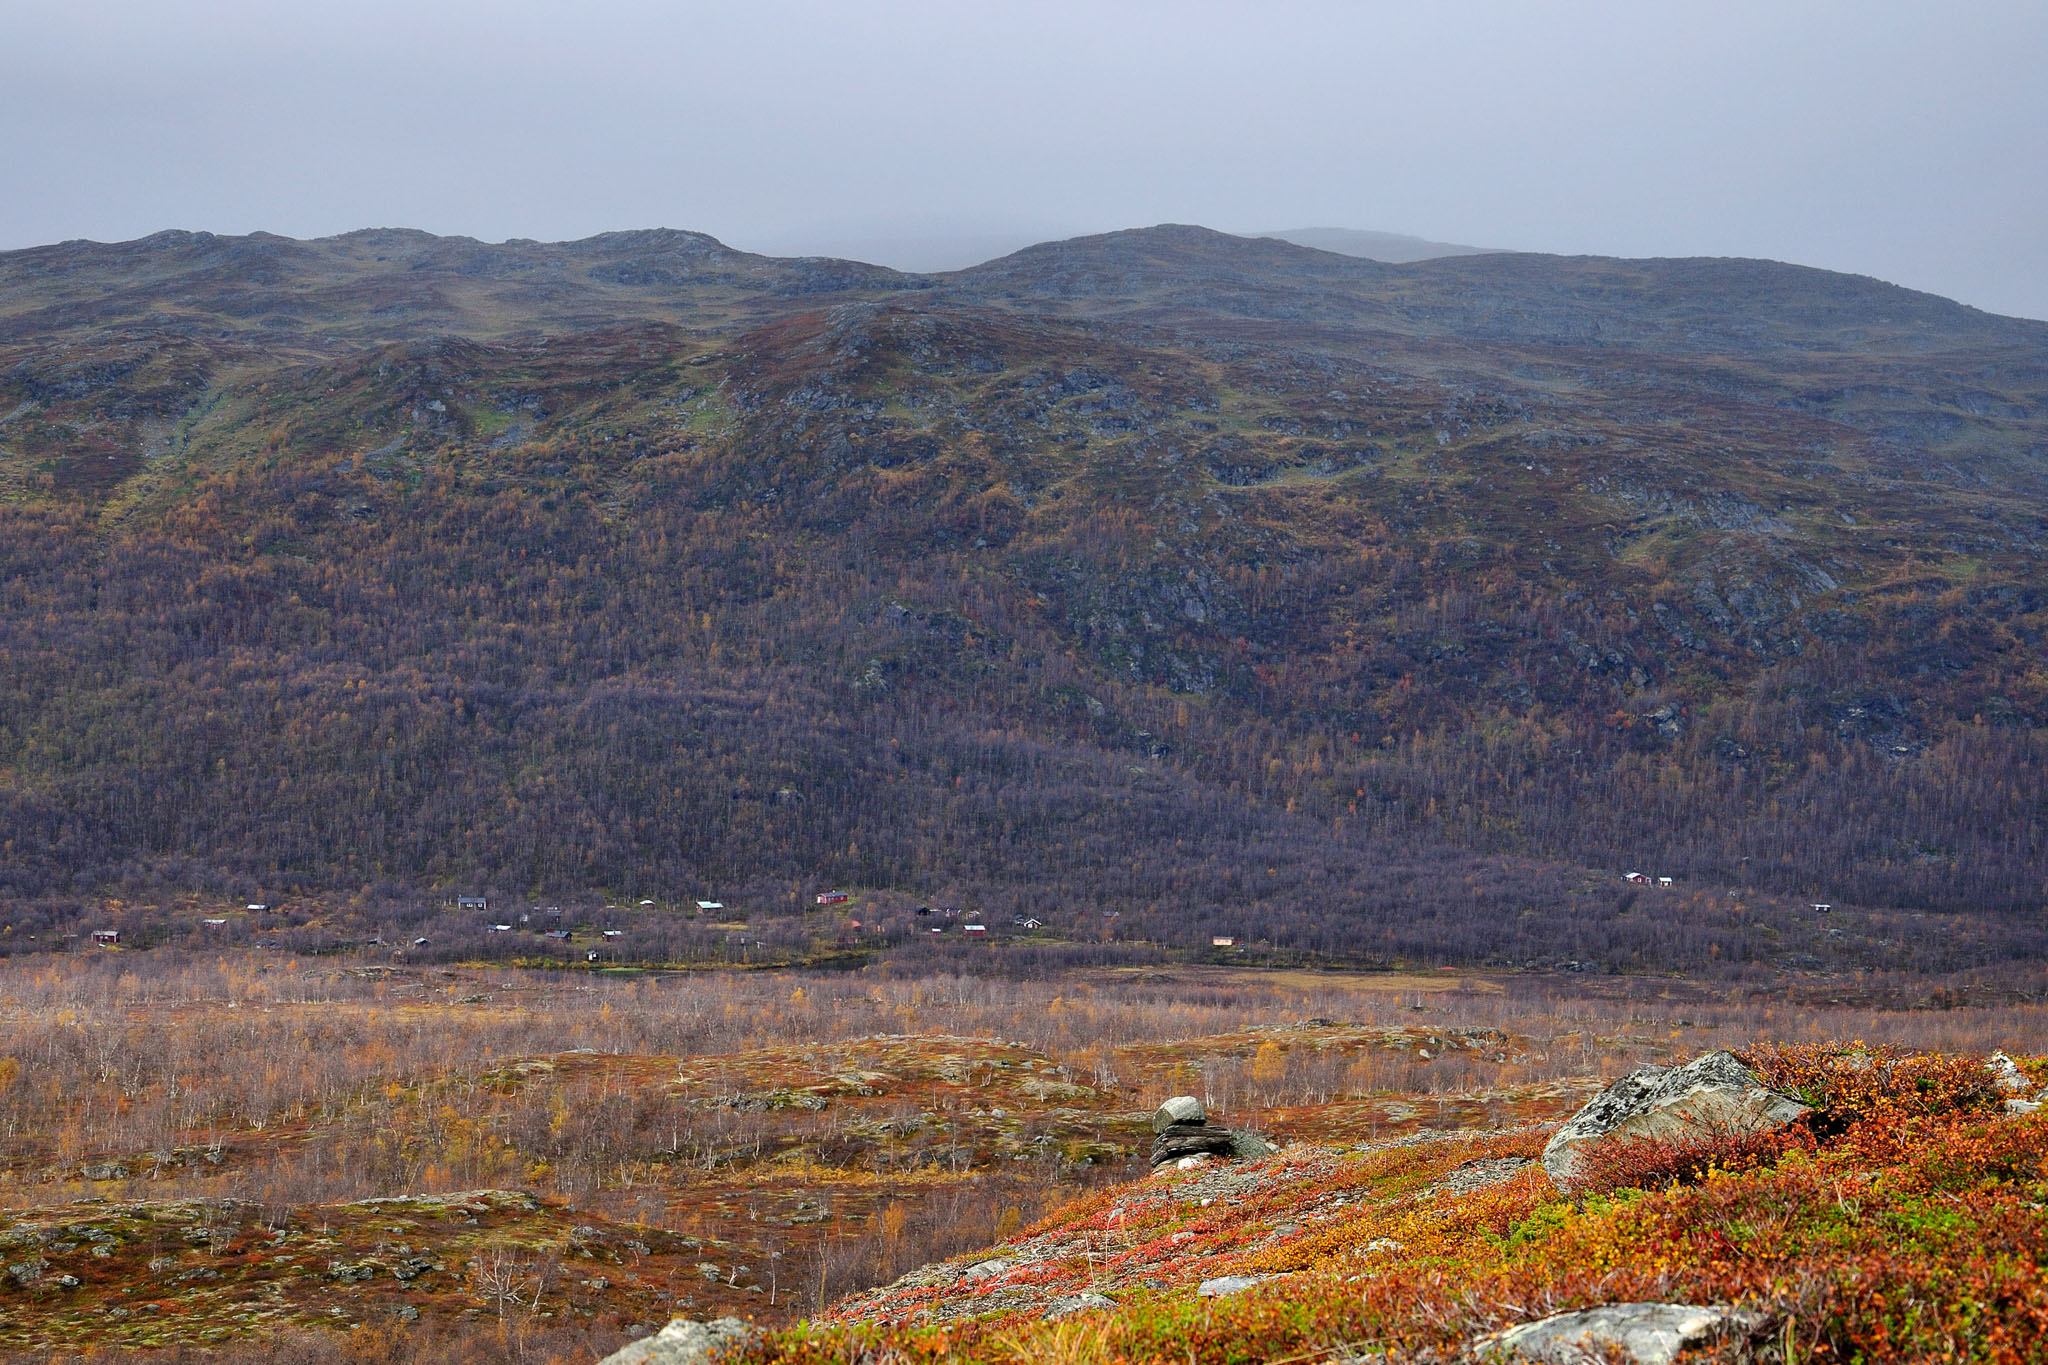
(1382, 611)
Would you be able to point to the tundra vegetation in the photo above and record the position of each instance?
(263, 1155)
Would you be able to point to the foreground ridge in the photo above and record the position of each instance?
(1897, 1216)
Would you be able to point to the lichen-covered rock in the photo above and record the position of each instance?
(2006, 1074)
(1067, 1304)
(1246, 1145)
(1644, 1333)
(1481, 1173)
(1180, 1110)
(1225, 1285)
(2020, 1094)
(683, 1342)
(1709, 1095)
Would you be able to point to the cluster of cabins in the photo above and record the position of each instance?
(1644, 879)
(973, 924)
(937, 916)
(970, 921)
(937, 919)
(111, 938)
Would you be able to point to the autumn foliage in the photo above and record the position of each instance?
(1905, 1222)
(975, 598)
(1651, 1163)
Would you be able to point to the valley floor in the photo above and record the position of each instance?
(243, 1154)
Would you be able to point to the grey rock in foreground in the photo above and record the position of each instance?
(1066, 1304)
(683, 1342)
(1645, 1333)
(1706, 1097)
(1225, 1285)
(1181, 1109)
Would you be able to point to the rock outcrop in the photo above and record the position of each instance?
(1181, 1129)
(1644, 1333)
(1482, 1173)
(683, 1342)
(2022, 1096)
(1708, 1096)
(1223, 1286)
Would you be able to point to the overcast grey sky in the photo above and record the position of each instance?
(1903, 140)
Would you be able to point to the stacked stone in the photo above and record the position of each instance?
(1181, 1129)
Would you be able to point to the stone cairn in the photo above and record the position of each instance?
(1182, 1133)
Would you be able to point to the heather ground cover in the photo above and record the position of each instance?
(1903, 1220)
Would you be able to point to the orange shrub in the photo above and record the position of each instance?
(1849, 1083)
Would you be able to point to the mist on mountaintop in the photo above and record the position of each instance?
(1883, 138)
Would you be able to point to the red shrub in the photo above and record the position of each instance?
(1617, 1163)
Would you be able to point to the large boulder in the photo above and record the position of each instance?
(1182, 1129)
(1710, 1096)
(1179, 1111)
(1644, 1333)
(683, 1342)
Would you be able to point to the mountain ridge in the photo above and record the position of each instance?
(1395, 248)
(1177, 248)
(1376, 612)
